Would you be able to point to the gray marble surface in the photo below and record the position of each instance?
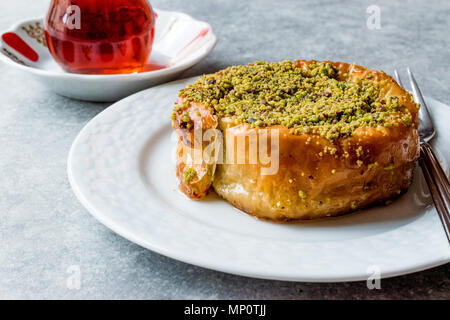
(44, 229)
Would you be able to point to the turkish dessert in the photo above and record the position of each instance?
(339, 138)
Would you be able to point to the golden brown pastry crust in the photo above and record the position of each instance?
(333, 185)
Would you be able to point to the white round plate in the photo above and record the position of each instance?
(121, 167)
(180, 42)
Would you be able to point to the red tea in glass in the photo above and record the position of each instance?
(100, 36)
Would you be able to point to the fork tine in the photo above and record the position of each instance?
(397, 77)
(416, 91)
(415, 88)
(424, 115)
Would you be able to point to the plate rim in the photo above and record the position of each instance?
(185, 258)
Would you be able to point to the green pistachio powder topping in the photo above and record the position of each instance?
(189, 175)
(307, 100)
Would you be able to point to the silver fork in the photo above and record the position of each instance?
(436, 178)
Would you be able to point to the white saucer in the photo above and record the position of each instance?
(180, 42)
(122, 169)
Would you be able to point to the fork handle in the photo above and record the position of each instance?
(438, 183)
